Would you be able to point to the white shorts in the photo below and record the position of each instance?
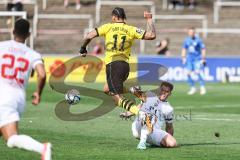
(11, 106)
(154, 138)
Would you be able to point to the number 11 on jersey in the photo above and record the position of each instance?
(123, 38)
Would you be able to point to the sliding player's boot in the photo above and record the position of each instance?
(141, 146)
(203, 90)
(126, 115)
(136, 90)
(148, 144)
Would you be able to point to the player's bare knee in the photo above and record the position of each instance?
(136, 135)
(135, 132)
(171, 143)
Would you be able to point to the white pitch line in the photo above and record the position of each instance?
(217, 119)
(210, 106)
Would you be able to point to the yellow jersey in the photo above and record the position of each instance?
(119, 38)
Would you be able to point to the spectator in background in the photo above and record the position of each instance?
(180, 4)
(78, 5)
(176, 4)
(162, 47)
(98, 48)
(191, 4)
(194, 60)
(16, 5)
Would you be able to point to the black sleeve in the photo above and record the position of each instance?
(143, 35)
(97, 31)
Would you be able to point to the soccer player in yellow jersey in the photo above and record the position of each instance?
(119, 38)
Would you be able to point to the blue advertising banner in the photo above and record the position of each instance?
(217, 69)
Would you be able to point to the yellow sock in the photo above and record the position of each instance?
(128, 105)
(134, 109)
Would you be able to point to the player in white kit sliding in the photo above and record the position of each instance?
(153, 112)
(16, 64)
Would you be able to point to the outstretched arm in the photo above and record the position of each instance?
(87, 39)
(183, 54)
(41, 79)
(169, 128)
(203, 53)
(150, 32)
(204, 56)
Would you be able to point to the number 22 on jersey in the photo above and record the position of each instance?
(9, 69)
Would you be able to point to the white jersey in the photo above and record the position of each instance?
(16, 63)
(162, 110)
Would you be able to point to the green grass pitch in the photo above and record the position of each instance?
(109, 138)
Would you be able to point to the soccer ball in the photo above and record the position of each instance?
(72, 96)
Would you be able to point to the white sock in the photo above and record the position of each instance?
(25, 142)
(144, 134)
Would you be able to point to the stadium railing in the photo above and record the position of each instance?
(65, 17)
(220, 30)
(122, 3)
(30, 2)
(22, 14)
(202, 18)
(218, 5)
(164, 4)
(44, 4)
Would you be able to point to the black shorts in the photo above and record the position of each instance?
(117, 72)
